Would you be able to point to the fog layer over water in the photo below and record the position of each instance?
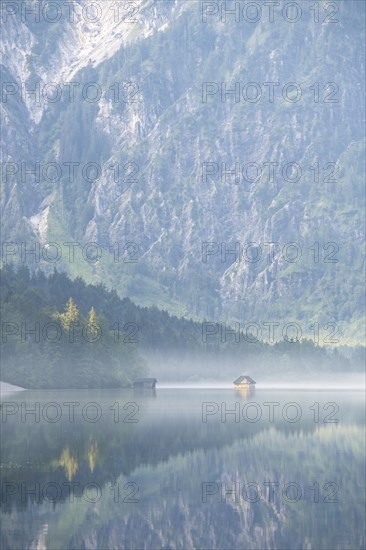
(347, 381)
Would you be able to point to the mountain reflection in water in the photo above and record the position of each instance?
(184, 469)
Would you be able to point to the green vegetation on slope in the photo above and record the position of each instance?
(63, 333)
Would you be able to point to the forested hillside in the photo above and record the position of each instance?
(60, 333)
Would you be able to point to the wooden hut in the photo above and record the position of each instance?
(244, 382)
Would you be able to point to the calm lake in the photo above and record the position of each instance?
(183, 469)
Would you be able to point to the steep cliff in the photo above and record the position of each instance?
(139, 97)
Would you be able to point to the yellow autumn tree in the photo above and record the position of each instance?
(93, 326)
(92, 318)
(70, 316)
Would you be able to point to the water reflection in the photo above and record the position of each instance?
(134, 476)
(244, 392)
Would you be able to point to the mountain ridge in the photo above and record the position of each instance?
(162, 200)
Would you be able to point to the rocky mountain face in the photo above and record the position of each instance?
(221, 153)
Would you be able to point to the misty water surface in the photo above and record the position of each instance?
(183, 468)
